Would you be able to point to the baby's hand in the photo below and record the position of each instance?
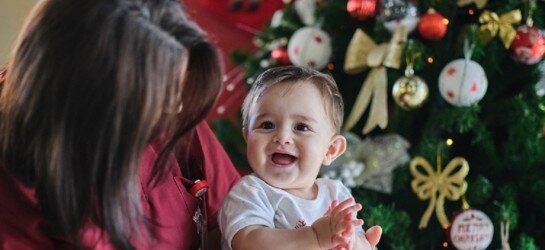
(336, 228)
(372, 235)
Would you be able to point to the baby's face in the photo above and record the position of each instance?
(288, 135)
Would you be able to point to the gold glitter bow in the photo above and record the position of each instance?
(362, 52)
(491, 23)
(437, 185)
(479, 3)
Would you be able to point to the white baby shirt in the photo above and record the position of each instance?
(253, 202)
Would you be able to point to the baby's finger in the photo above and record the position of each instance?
(340, 241)
(343, 205)
(347, 212)
(373, 235)
(348, 232)
(351, 224)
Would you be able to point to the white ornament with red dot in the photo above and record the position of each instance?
(463, 82)
(311, 47)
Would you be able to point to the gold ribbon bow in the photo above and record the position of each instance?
(492, 23)
(437, 185)
(362, 52)
(479, 3)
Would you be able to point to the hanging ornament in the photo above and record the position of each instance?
(463, 82)
(361, 9)
(310, 47)
(410, 91)
(492, 24)
(433, 25)
(280, 55)
(471, 229)
(436, 185)
(305, 10)
(479, 3)
(362, 52)
(528, 47)
(396, 13)
(369, 163)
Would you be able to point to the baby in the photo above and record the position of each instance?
(291, 122)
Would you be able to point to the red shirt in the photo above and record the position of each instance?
(168, 204)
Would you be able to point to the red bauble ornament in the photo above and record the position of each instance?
(280, 55)
(528, 46)
(361, 9)
(433, 26)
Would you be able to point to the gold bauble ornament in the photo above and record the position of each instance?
(410, 91)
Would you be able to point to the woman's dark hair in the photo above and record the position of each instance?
(88, 86)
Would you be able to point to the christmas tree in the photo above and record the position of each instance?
(445, 113)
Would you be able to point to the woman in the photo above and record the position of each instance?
(98, 147)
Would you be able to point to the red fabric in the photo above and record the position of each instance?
(168, 204)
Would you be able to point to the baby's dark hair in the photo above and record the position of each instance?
(293, 75)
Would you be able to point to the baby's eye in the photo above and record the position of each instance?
(266, 125)
(302, 127)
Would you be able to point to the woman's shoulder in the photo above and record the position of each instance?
(20, 216)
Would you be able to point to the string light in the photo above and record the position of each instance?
(445, 244)
(430, 59)
(330, 66)
(450, 142)
(471, 12)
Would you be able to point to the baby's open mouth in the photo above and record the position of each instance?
(283, 159)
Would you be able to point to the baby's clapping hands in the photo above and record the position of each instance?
(335, 230)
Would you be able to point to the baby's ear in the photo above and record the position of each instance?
(337, 146)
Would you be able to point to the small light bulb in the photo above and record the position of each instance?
(430, 59)
(450, 142)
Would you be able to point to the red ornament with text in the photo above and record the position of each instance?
(433, 26)
(361, 9)
(471, 229)
(528, 46)
(280, 55)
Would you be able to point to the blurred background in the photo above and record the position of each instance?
(445, 105)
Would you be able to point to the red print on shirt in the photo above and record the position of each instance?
(300, 224)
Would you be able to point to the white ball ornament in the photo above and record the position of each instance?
(462, 82)
(311, 47)
(471, 230)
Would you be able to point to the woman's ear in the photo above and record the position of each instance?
(337, 146)
(245, 134)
